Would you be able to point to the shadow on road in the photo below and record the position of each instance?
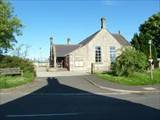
(58, 101)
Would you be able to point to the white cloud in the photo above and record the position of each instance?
(109, 2)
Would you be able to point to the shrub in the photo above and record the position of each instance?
(129, 61)
(13, 61)
(12, 81)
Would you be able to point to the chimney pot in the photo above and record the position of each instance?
(68, 41)
(51, 40)
(103, 23)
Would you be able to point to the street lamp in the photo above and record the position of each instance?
(150, 58)
(40, 51)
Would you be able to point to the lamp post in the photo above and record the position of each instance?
(150, 58)
(40, 51)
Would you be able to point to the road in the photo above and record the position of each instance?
(73, 98)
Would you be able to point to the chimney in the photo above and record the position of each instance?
(119, 32)
(103, 23)
(51, 41)
(68, 41)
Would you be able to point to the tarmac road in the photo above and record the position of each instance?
(73, 98)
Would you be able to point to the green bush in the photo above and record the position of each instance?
(129, 61)
(13, 61)
(13, 81)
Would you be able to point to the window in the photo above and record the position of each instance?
(112, 54)
(98, 58)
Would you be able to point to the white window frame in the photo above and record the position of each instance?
(98, 54)
(112, 52)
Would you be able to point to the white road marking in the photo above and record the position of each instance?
(149, 88)
(69, 94)
(44, 115)
(112, 93)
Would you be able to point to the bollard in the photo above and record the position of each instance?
(92, 68)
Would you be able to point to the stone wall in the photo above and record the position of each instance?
(81, 58)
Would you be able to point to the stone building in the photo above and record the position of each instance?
(99, 50)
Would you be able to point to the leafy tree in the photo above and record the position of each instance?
(129, 61)
(149, 30)
(21, 51)
(10, 26)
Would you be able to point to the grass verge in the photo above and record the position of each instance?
(135, 79)
(13, 81)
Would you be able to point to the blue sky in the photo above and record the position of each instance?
(77, 19)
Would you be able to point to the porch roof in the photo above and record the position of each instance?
(63, 50)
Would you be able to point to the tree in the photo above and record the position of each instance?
(149, 30)
(21, 51)
(10, 26)
(129, 61)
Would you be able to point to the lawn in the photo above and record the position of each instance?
(135, 79)
(13, 81)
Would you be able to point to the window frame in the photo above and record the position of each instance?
(112, 52)
(98, 54)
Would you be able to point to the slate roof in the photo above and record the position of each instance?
(120, 39)
(85, 41)
(117, 36)
(63, 50)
